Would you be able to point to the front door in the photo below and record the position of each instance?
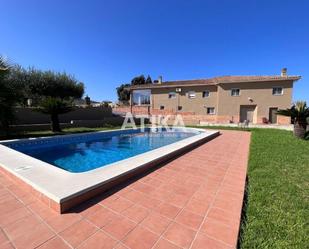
(273, 115)
(246, 113)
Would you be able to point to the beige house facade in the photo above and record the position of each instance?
(227, 99)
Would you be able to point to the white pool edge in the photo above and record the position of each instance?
(60, 185)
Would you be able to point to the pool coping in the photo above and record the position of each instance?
(62, 190)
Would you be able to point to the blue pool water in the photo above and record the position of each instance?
(84, 153)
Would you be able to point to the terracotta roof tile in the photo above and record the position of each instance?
(217, 80)
(232, 79)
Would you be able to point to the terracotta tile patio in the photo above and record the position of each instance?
(193, 201)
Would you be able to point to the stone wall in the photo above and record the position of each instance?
(283, 120)
(136, 110)
(191, 118)
(147, 110)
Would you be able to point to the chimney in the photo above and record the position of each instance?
(160, 80)
(284, 72)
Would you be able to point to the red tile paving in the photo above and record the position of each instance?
(179, 235)
(193, 202)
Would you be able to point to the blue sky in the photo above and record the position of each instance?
(106, 43)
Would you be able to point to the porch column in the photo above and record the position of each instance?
(131, 101)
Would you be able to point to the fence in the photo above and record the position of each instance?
(27, 119)
(30, 116)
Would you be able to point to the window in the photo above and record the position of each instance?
(179, 108)
(206, 94)
(210, 110)
(171, 95)
(235, 92)
(277, 91)
(191, 95)
(161, 107)
(141, 97)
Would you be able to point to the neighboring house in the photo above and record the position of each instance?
(107, 103)
(85, 103)
(226, 99)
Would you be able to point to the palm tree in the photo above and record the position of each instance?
(299, 113)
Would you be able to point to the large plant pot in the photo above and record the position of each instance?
(300, 130)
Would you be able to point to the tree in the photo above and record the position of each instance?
(20, 77)
(139, 80)
(10, 95)
(55, 106)
(56, 92)
(148, 80)
(88, 100)
(123, 93)
(52, 84)
(299, 113)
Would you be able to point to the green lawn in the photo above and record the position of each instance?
(277, 209)
(66, 131)
(276, 206)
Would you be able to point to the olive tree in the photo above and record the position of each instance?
(54, 93)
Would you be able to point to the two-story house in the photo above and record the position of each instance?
(223, 99)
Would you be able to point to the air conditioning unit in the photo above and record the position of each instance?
(178, 90)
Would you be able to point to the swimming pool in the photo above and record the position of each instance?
(66, 170)
(86, 153)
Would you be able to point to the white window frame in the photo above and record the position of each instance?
(172, 95)
(207, 95)
(233, 90)
(191, 94)
(211, 113)
(278, 94)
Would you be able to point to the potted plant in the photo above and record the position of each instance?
(299, 114)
